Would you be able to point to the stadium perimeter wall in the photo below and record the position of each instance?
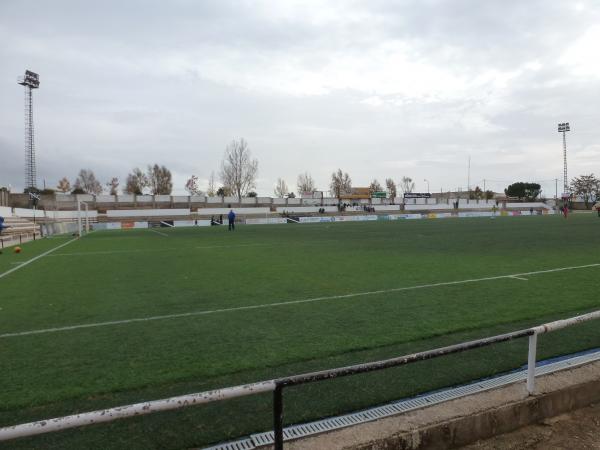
(60, 201)
(320, 219)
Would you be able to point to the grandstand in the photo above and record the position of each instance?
(18, 231)
(199, 210)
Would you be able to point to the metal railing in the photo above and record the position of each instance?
(277, 385)
(21, 236)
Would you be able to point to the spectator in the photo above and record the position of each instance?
(231, 218)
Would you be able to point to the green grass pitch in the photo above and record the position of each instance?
(117, 276)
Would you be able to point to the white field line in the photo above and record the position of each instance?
(29, 261)
(520, 278)
(145, 250)
(291, 302)
(158, 232)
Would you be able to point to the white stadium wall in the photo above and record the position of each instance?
(238, 211)
(147, 212)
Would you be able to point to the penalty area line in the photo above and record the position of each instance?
(158, 232)
(285, 303)
(29, 261)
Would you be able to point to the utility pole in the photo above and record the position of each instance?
(469, 175)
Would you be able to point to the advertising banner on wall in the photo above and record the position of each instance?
(266, 221)
(417, 195)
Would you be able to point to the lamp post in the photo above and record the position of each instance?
(427, 181)
(563, 128)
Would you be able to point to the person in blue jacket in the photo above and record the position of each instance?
(231, 218)
(2, 226)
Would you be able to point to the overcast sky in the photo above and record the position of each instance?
(377, 88)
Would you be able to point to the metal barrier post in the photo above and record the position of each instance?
(531, 363)
(78, 216)
(278, 417)
(87, 219)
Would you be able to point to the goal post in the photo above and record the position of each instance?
(79, 218)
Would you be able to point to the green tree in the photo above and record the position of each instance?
(476, 194)
(523, 191)
(586, 186)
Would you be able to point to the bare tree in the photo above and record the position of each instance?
(160, 180)
(281, 189)
(340, 183)
(212, 189)
(306, 183)
(63, 185)
(375, 186)
(586, 186)
(136, 182)
(407, 185)
(113, 186)
(238, 169)
(191, 186)
(87, 182)
(391, 188)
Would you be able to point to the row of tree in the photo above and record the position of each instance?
(238, 176)
(585, 186)
(340, 184)
(157, 180)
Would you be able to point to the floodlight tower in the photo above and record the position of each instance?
(563, 128)
(31, 81)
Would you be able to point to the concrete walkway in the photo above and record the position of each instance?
(466, 420)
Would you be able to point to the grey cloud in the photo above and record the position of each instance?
(126, 84)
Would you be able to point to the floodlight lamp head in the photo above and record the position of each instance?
(30, 79)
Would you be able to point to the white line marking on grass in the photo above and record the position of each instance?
(238, 245)
(291, 302)
(144, 250)
(25, 263)
(520, 278)
(158, 232)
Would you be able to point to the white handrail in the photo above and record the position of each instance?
(137, 409)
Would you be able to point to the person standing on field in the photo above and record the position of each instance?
(231, 218)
